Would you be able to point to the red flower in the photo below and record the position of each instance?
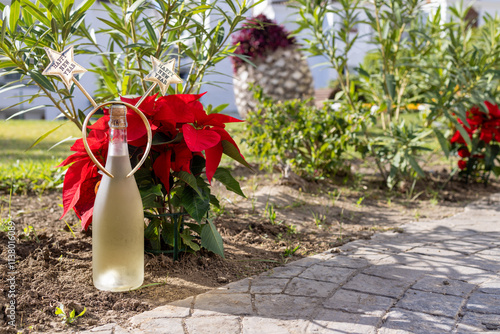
(207, 134)
(464, 152)
(493, 110)
(81, 177)
(462, 164)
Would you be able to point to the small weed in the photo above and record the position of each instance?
(253, 201)
(340, 238)
(289, 251)
(417, 215)
(318, 218)
(389, 202)
(68, 318)
(29, 233)
(334, 196)
(219, 210)
(70, 229)
(291, 230)
(271, 214)
(358, 203)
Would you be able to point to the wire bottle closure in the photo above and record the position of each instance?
(91, 155)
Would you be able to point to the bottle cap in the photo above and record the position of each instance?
(118, 110)
(118, 116)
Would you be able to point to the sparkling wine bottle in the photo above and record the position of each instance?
(118, 219)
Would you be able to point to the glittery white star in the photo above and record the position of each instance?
(163, 74)
(63, 65)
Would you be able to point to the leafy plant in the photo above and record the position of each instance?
(399, 148)
(293, 133)
(70, 318)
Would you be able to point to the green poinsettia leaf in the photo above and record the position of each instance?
(211, 239)
(225, 177)
(232, 151)
(197, 206)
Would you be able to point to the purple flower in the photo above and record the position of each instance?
(259, 36)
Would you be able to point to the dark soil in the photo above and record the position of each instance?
(54, 264)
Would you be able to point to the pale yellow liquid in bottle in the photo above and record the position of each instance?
(118, 230)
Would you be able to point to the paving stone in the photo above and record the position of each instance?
(487, 240)
(310, 288)
(484, 303)
(327, 274)
(268, 285)
(481, 322)
(444, 286)
(376, 285)
(285, 306)
(180, 310)
(283, 272)
(396, 246)
(414, 322)
(223, 304)
(120, 330)
(461, 246)
(162, 326)
(452, 269)
(255, 325)
(346, 262)
(490, 252)
(357, 302)
(430, 302)
(330, 321)
(435, 251)
(371, 258)
(213, 325)
(104, 329)
(491, 287)
(398, 272)
(484, 262)
(242, 286)
(305, 262)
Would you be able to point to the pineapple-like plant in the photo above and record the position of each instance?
(280, 69)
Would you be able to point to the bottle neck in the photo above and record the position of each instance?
(117, 142)
(118, 131)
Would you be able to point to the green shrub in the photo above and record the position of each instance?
(310, 140)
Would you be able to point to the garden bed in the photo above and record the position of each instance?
(55, 267)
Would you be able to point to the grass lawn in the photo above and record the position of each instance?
(24, 169)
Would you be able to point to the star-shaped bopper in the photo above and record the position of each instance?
(63, 65)
(163, 74)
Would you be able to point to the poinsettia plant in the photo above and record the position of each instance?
(479, 159)
(174, 181)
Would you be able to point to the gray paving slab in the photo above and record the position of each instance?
(435, 277)
(431, 302)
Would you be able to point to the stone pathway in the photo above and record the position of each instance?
(435, 277)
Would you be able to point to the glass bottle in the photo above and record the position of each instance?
(118, 218)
